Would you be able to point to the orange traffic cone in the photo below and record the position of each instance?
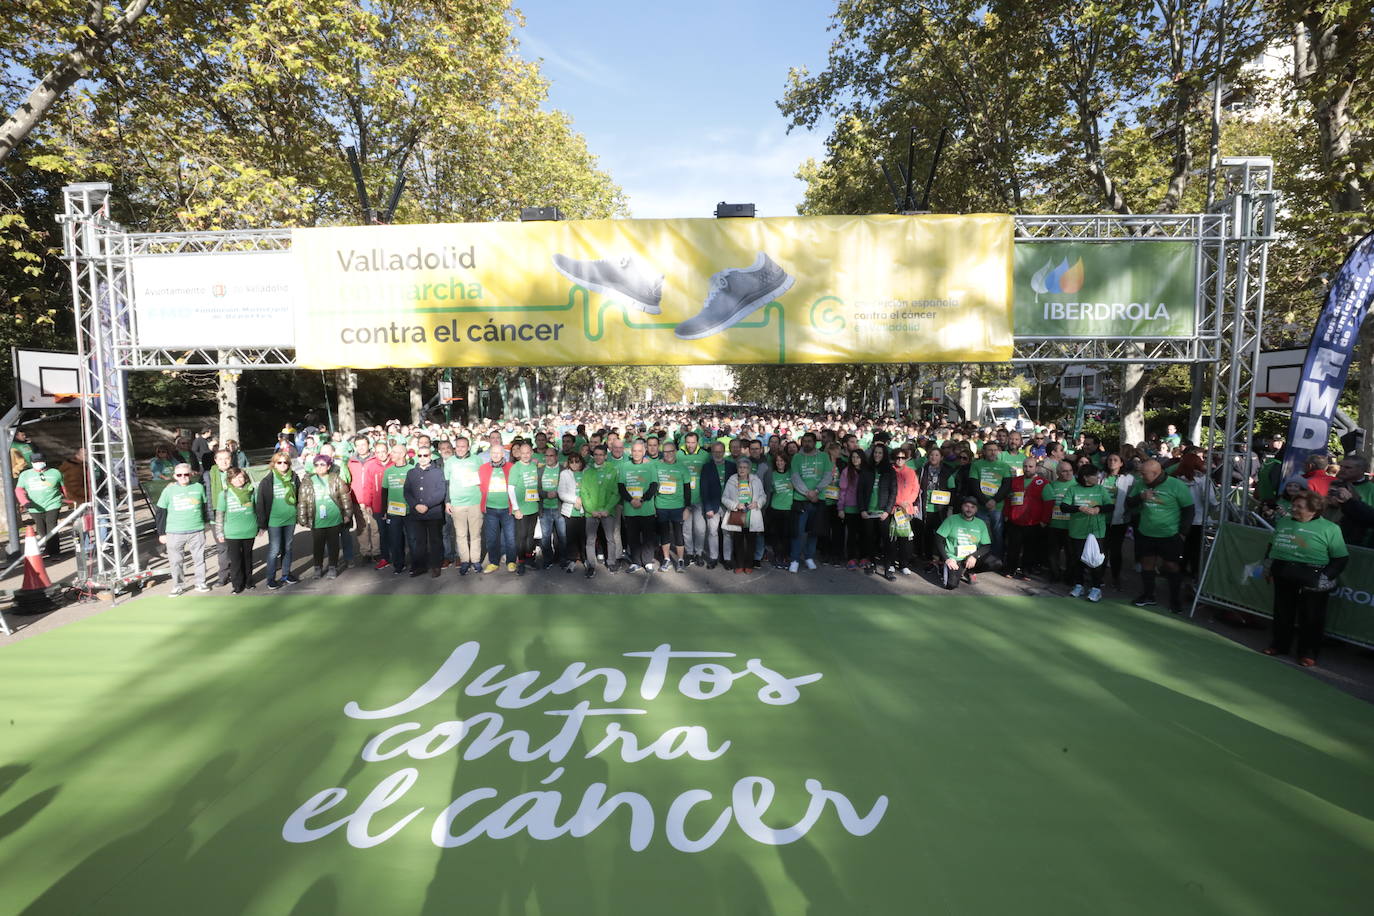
(35, 574)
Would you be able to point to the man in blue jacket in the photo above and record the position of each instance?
(714, 473)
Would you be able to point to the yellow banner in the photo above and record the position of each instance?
(827, 289)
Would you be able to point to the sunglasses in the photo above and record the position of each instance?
(181, 475)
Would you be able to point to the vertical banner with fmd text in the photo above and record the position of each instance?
(1106, 289)
(657, 292)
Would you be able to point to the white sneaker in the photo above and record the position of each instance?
(905, 571)
(810, 564)
(634, 567)
(792, 567)
(177, 592)
(649, 567)
(1077, 592)
(623, 276)
(1095, 594)
(203, 589)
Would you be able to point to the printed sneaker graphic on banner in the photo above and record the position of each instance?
(1060, 279)
(735, 294)
(624, 276)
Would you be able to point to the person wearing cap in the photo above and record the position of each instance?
(181, 513)
(962, 543)
(1306, 554)
(425, 492)
(41, 492)
(324, 505)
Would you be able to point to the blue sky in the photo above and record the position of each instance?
(678, 100)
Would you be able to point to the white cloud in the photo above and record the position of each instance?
(587, 69)
(734, 165)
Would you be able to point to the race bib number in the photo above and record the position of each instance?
(393, 507)
(831, 492)
(987, 487)
(667, 487)
(1059, 515)
(1018, 499)
(939, 497)
(963, 551)
(635, 492)
(531, 494)
(324, 510)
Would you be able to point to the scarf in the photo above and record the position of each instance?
(243, 494)
(286, 485)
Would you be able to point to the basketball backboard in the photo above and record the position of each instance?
(1276, 378)
(46, 378)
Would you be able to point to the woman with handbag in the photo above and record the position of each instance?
(742, 500)
(1304, 559)
(1088, 505)
(906, 524)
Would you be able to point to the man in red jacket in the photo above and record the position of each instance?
(372, 499)
(366, 495)
(1027, 514)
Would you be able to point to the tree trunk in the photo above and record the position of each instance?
(74, 65)
(227, 396)
(417, 401)
(343, 386)
(1134, 385)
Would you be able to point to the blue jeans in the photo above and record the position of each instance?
(346, 539)
(450, 542)
(279, 538)
(803, 534)
(555, 534)
(393, 536)
(993, 519)
(498, 535)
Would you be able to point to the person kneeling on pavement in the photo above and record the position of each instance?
(964, 546)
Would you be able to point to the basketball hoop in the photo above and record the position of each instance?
(64, 397)
(1278, 397)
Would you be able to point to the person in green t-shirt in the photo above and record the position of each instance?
(523, 482)
(962, 543)
(1058, 530)
(601, 501)
(181, 516)
(989, 479)
(21, 452)
(236, 526)
(814, 487)
(276, 504)
(693, 457)
(395, 539)
(1306, 554)
(552, 531)
(465, 504)
(638, 486)
(777, 518)
(324, 505)
(574, 513)
(41, 492)
(670, 501)
(1166, 511)
(1088, 505)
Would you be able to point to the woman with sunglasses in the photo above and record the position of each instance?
(276, 509)
(181, 516)
(236, 527)
(323, 502)
(907, 500)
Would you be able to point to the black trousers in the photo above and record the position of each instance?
(1297, 610)
(524, 536)
(1017, 538)
(743, 546)
(240, 552)
(45, 520)
(778, 526)
(1060, 562)
(326, 539)
(900, 550)
(875, 539)
(427, 536)
(933, 519)
(852, 526)
(576, 546)
(1079, 572)
(1116, 539)
(641, 533)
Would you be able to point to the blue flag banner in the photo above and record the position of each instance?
(1328, 357)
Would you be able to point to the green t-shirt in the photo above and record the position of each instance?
(1054, 493)
(782, 491)
(327, 512)
(1313, 542)
(962, 535)
(548, 482)
(989, 476)
(185, 505)
(25, 450)
(44, 487)
(240, 520)
(873, 497)
(394, 489)
(810, 468)
(464, 487)
(1266, 487)
(637, 478)
(694, 463)
(1159, 516)
(497, 495)
(282, 512)
(524, 477)
(672, 482)
(1080, 525)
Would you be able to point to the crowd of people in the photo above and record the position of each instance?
(671, 491)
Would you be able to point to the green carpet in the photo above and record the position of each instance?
(957, 755)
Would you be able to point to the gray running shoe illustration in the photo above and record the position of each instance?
(735, 294)
(625, 277)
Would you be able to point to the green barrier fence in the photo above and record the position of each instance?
(1235, 579)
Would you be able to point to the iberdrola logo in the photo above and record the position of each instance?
(1061, 278)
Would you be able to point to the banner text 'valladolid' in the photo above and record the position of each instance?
(657, 292)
